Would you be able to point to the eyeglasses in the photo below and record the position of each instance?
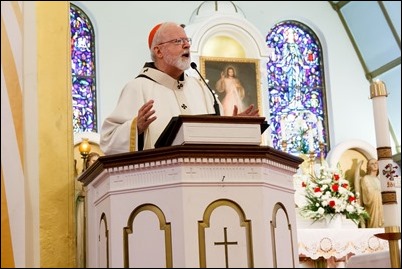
(178, 41)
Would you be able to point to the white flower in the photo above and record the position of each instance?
(320, 211)
(350, 208)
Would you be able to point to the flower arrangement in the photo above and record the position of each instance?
(328, 193)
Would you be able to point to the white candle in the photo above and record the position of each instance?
(311, 140)
(283, 128)
(378, 94)
(320, 130)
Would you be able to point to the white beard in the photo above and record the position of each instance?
(179, 63)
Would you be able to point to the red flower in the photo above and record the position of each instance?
(351, 199)
(304, 184)
(331, 203)
(336, 177)
(317, 189)
(335, 187)
(345, 185)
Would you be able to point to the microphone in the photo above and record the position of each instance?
(216, 105)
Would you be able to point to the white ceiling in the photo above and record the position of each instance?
(374, 28)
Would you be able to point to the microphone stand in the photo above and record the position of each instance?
(216, 105)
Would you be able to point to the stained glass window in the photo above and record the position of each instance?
(83, 71)
(296, 89)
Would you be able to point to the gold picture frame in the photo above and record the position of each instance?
(247, 72)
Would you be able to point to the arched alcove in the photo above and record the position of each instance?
(220, 29)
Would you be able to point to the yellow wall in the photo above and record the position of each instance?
(56, 166)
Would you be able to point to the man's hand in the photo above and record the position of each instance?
(145, 116)
(250, 111)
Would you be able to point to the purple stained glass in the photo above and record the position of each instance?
(296, 89)
(83, 71)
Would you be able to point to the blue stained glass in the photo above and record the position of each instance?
(83, 71)
(296, 89)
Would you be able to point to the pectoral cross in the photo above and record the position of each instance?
(226, 243)
(184, 106)
(179, 86)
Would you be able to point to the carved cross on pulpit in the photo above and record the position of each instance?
(226, 243)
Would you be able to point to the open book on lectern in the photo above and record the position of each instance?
(212, 129)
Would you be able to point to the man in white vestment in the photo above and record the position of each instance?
(161, 91)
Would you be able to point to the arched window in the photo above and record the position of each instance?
(296, 89)
(83, 71)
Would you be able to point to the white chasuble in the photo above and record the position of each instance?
(171, 98)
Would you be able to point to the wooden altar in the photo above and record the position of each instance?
(192, 206)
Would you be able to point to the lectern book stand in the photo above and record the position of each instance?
(211, 129)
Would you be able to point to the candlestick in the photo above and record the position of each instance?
(284, 145)
(311, 140)
(311, 158)
(322, 147)
(283, 128)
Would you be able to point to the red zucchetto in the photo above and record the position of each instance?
(152, 34)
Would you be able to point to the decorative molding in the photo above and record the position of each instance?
(275, 225)
(202, 154)
(163, 226)
(243, 222)
(334, 155)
